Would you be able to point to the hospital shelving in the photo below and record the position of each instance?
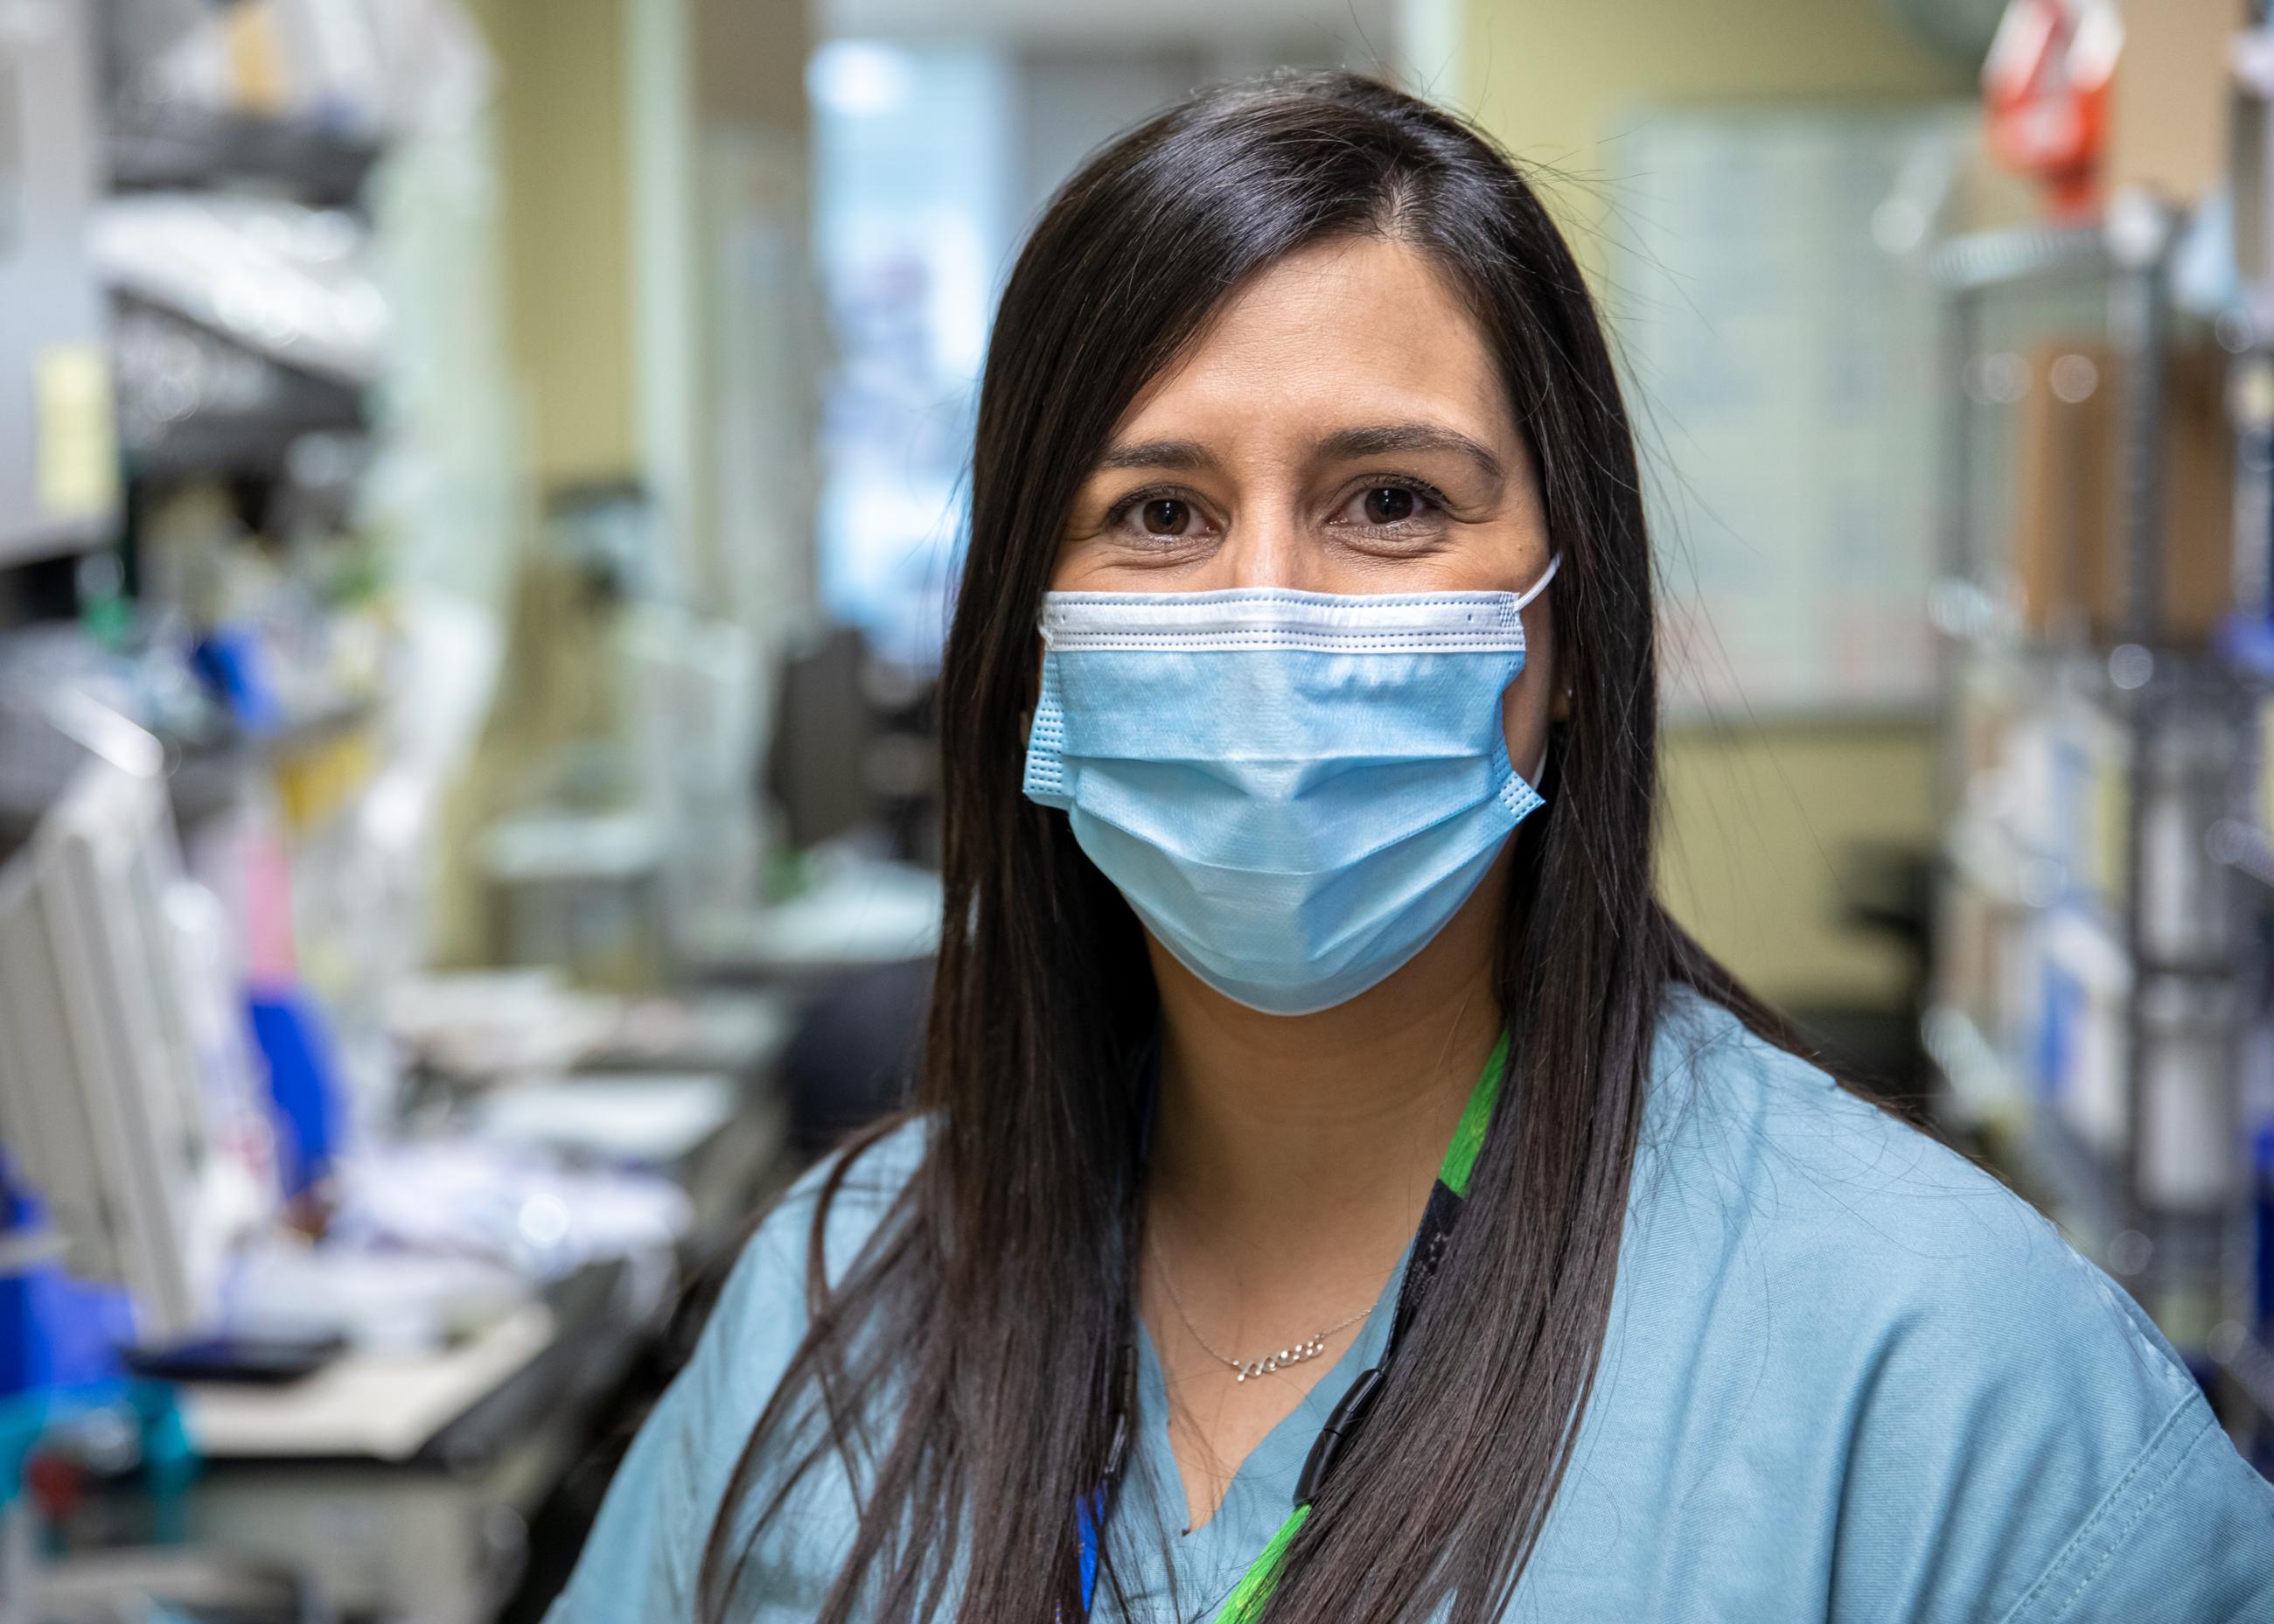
(173, 145)
(2248, 1363)
(2097, 963)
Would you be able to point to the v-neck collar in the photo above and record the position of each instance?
(1268, 1472)
(1207, 1562)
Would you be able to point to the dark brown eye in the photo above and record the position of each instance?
(1165, 517)
(1389, 504)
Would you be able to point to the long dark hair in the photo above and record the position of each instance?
(962, 1368)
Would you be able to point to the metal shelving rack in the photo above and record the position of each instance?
(2175, 709)
(54, 431)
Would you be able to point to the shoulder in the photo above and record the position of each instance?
(1763, 1140)
(1990, 1416)
(1748, 1146)
(645, 1553)
(830, 1216)
(851, 1194)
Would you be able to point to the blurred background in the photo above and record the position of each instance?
(479, 493)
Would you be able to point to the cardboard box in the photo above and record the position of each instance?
(2171, 102)
(2071, 552)
(2065, 440)
(2198, 540)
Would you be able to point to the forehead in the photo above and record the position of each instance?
(1344, 331)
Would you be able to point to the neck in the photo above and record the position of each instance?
(1322, 1134)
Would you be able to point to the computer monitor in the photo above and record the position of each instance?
(102, 1108)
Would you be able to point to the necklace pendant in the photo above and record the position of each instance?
(1302, 1353)
(1272, 1364)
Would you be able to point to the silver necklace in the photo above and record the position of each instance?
(1310, 1348)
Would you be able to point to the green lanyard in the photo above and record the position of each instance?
(1446, 1198)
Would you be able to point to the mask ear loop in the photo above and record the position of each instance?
(1554, 562)
(1524, 600)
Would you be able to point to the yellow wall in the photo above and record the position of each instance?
(1756, 827)
(1556, 80)
(563, 119)
(1756, 821)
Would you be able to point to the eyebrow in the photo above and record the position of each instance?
(1377, 440)
(1174, 453)
(1372, 440)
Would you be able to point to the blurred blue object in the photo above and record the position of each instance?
(164, 1461)
(2261, 1162)
(231, 663)
(55, 1332)
(2247, 643)
(2060, 1011)
(303, 1080)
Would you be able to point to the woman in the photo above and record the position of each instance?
(1338, 1190)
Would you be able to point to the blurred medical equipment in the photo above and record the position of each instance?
(59, 480)
(103, 1110)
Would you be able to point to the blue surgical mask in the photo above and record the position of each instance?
(1294, 791)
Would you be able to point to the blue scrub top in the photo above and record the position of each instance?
(1848, 1376)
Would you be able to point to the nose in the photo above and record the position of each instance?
(1266, 547)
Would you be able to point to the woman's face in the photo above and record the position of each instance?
(1340, 427)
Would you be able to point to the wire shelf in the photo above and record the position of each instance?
(1991, 259)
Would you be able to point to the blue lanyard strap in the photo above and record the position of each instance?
(1089, 1528)
(1447, 1197)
